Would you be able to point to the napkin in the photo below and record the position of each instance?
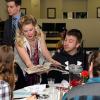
(27, 91)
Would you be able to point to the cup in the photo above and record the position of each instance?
(51, 81)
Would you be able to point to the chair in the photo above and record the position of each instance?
(84, 92)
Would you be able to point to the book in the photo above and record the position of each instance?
(45, 68)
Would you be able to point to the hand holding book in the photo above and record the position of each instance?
(46, 67)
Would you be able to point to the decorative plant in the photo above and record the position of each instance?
(75, 82)
(85, 75)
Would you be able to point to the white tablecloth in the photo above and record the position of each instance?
(51, 93)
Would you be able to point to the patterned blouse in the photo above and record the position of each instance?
(26, 45)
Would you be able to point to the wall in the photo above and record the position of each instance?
(92, 8)
(51, 4)
(3, 10)
(38, 8)
(32, 7)
(62, 5)
(89, 27)
(74, 5)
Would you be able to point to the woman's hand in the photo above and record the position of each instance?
(33, 97)
(55, 63)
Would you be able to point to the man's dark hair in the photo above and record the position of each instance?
(17, 2)
(75, 32)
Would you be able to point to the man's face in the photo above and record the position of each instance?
(71, 44)
(12, 8)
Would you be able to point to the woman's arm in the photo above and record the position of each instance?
(45, 51)
(24, 56)
(32, 98)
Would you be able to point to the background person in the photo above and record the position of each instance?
(7, 81)
(11, 24)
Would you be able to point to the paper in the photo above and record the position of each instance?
(46, 68)
(38, 68)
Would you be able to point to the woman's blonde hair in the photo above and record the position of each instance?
(7, 65)
(25, 20)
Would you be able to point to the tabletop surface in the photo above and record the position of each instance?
(50, 93)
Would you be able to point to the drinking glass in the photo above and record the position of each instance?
(51, 81)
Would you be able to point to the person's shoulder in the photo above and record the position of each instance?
(59, 54)
(86, 89)
(7, 21)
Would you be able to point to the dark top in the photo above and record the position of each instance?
(63, 56)
(8, 36)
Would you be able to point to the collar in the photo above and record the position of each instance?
(17, 17)
(66, 54)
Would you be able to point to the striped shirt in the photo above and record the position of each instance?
(5, 93)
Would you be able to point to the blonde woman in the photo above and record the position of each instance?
(31, 49)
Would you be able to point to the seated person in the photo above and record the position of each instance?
(7, 75)
(90, 90)
(30, 48)
(69, 54)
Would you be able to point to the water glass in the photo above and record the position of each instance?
(51, 81)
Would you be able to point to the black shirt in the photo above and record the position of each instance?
(63, 57)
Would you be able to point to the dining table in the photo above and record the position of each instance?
(42, 91)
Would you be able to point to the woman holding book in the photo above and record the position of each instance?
(30, 47)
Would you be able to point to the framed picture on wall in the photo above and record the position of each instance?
(80, 15)
(98, 12)
(51, 13)
(23, 11)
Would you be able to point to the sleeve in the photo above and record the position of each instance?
(5, 91)
(64, 96)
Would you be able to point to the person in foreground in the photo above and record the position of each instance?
(90, 90)
(7, 76)
(70, 54)
(30, 47)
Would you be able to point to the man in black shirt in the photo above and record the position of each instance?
(71, 53)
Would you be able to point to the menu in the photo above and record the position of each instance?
(46, 67)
